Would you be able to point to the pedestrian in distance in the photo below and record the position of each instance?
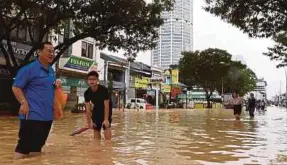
(251, 105)
(236, 102)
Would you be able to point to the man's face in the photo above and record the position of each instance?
(47, 54)
(93, 80)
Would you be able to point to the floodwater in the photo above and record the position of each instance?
(176, 137)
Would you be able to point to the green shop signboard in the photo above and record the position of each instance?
(79, 63)
(72, 81)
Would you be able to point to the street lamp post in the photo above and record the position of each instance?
(222, 89)
(170, 79)
(185, 90)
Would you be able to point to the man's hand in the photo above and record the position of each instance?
(24, 109)
(106, 123)
(58, 83)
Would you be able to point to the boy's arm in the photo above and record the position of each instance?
(88, 104)
(107, 109)
(88, 113)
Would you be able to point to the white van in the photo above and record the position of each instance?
(136, 103)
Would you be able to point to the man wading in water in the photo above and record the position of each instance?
(34, 88)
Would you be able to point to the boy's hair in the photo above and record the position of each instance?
(93, 73)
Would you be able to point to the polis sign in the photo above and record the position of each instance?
(20, 50)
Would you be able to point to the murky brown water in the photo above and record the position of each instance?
(178, 137)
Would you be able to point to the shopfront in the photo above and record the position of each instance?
(19, 50)
(142, 86)
(73, 71)
(7, 99)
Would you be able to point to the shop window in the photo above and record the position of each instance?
(87, 50)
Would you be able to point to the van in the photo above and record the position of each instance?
(136, 103)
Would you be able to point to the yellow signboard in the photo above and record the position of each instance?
(165, 88)
(142, 82)
(174, 75)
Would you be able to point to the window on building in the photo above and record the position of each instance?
(87, 49)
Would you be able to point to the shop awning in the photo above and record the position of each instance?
(113, 59)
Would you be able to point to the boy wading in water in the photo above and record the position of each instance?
(98, 102)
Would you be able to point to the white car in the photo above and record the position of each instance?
(136, 103)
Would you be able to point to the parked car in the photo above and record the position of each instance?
(136, 103)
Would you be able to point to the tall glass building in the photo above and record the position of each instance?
(176, 35)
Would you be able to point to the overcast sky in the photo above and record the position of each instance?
(210, 31)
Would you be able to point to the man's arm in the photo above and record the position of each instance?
(21, 80)
(19, 94)
(107, 109)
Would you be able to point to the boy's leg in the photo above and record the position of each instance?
(97, 134)
(97, 125)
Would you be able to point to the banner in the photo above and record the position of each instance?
(174, 76)
(142, 82)
(165, 88)
(79, 63)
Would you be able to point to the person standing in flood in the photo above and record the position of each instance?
(262, 105)
(98, 107)
(251, 105)
(237, 105)
(34, 88)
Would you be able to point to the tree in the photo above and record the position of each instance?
(239, 78)
(130, 25)
(264, 18)
(279, 51)
(204, 69)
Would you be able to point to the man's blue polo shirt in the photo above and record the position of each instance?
(37, 83)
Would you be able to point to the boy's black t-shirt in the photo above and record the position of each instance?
(97, 98)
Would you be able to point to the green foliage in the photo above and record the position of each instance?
(257, 18)
(130, 25)
(204, 69)
(239, 78)
(210, 67)
(279, 51)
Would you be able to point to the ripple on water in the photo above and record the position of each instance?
(179, 137)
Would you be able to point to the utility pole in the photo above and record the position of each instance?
(280, 94)
(170, 79)
(285, 87)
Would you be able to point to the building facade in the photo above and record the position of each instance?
(73, 67)
(176, 35)
(261, 85)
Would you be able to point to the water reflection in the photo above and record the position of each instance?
(177, 137)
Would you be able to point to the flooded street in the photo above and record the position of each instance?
(177, 137)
